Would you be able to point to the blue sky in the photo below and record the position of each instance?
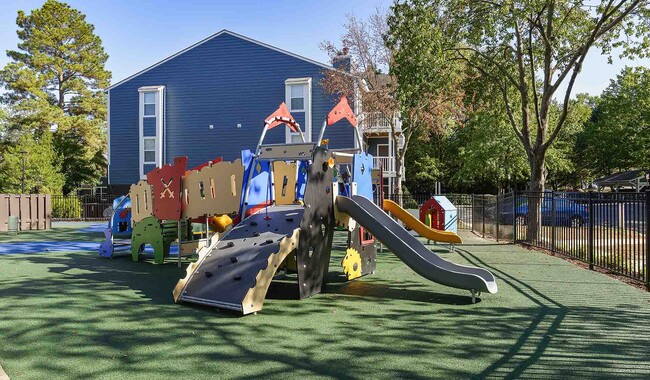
(138, 33)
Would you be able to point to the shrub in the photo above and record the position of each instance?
(66, 207)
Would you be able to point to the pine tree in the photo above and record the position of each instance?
(55, 79)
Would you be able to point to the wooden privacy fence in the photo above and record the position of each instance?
(34, 211)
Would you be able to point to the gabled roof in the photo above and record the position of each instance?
(622, 178)
(224, 31)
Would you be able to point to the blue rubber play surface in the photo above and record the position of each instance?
(100, 227)
(47, 246)
(60, 246)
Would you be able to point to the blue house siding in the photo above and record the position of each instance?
(373, 142)
(149, 126)
(223, 82)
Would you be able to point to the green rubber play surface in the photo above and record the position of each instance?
(77, 316)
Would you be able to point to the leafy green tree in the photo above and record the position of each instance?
(482, 154)
(618, 135)
(534, 48)
(428, 80)
(427, 163)
(562, 162)
(42, 166)
(55, 80)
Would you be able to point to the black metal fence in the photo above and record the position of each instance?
(80, 207)
(605, 230)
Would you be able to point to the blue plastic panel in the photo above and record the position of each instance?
(121, 223)
(301, 183)
(259, 191)
(361, 174)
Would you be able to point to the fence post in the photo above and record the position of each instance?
(554, 223)
(590, 238)
(483, 213)
(647, 239)
(497, 216)
(514, 217)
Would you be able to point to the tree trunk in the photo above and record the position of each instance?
(61, 100)
(535, 197)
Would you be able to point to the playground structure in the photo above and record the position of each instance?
(439, 213)
(418, 226)
(276, 209)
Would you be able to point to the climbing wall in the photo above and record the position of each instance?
(237, 272)
(316, 227)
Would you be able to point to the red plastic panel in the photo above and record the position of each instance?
(282, 116)
(166, 183)
(218, 159)
(365, 238)
(433, 208)
(340, 111)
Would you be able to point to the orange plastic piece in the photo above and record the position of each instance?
(340, 111)
(282, 116)
(219, 223)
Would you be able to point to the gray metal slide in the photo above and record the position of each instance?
(411, 251)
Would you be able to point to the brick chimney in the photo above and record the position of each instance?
(342, 60)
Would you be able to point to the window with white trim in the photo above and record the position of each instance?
(151, 128)
(149, 102)
(297, 97)
(149, 150)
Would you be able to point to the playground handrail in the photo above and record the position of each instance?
(280, 116)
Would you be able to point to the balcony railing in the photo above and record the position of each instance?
(378, 122)
(387, 163)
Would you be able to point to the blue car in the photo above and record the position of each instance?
(567, 213)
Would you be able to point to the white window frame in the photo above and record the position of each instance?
(159, 116)
(155, 112)
(144, 160)
(306, 104)
(303, 97)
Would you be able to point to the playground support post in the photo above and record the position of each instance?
(590, 239)
(647, 239)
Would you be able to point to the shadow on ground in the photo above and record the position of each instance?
(77, 316)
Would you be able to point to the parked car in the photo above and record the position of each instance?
(567, 213)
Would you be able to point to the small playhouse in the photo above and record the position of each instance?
(439, 213)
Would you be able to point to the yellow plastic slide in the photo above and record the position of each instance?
(422, 229)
